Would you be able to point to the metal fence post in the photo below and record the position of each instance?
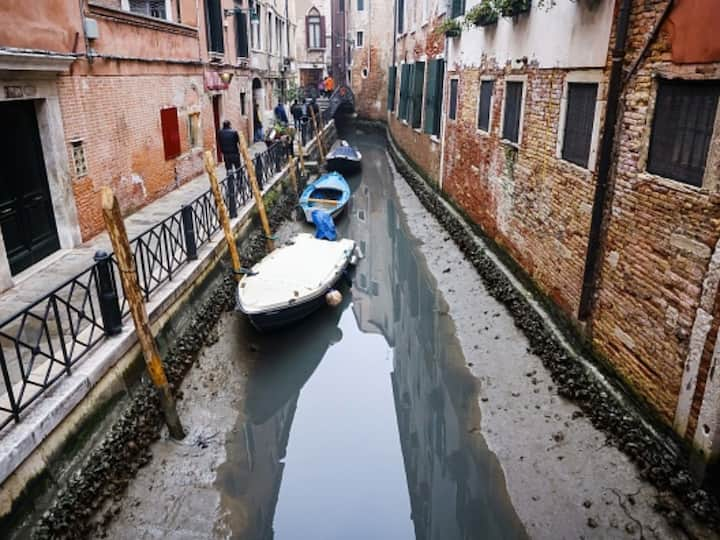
(188, 226)
(231, 202)
(107, 293)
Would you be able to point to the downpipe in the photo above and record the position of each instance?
(607, 149)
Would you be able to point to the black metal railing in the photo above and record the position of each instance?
(43, 341)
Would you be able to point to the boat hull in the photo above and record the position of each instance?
(344, 165)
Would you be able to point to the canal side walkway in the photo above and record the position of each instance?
(28, 447)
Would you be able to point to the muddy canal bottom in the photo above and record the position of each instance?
(363, 422)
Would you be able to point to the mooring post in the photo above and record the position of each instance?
(107, 294)
(250, 166)
(222, 214)
(188, 226)
(293, 176)
(318, 134)
(128, 274)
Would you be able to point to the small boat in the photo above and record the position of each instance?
(329, 193)
(343, 157)
(292, 282)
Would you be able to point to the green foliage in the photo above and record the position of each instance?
(292, 92)
(482, 14)
(449, 27)
(510, 8)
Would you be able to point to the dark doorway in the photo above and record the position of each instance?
(216, 119)
(26, 215)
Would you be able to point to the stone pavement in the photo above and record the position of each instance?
(67, 263)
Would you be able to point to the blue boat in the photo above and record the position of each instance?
(329, 193)
(343, 158)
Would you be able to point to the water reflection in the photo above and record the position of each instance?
(315, 452)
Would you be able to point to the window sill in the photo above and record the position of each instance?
(316, 49)
(646, 177)
(509, 143)
(480, 131)
(417, 130)
(425, 23)
(435, 139)
(128, 17)
(574, 166)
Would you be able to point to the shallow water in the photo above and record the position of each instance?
(363, 421)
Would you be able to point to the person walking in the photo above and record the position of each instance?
(258, 132)
(280, 114)
(297, 113)
(229, 142)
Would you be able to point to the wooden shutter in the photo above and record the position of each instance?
(513, 111)
(430, 97)
(392, 79)
(579, 120)
(307, 32)
(322, 32)
(170, 132)
(417, 97)
(486, 90)
(241, 34)
(214, 20)
(400, 16)
(453, 99)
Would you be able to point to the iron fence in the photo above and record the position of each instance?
(43, 341)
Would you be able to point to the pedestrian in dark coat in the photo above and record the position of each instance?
(229, 142)
(297, 113)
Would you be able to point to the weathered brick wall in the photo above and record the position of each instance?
(660, 237)
(534, 205)
(118, 118)
(371, 90)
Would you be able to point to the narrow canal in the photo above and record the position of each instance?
(363, 422)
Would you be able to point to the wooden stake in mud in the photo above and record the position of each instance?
(302, 160)
(128, 273)
(293, 176)
(318, 134)
(222, 214)
(256, 191)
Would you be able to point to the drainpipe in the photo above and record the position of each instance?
(592, 257)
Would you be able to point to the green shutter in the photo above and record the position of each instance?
(392, 79)
(417, 98)
(404, 86)
(457, 9)
(430, 97)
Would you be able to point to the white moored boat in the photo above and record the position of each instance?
(292, 281)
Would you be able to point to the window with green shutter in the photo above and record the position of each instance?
(433, 96)
(392, 79)
(403, 106)
(417, 94)
(457, 8)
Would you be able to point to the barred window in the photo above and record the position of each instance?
(513, 111)
(486, 92)
(579, 121)
(683, 126)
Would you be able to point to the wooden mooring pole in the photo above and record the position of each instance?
(318, 134)
(128, 274)
(293, 176)
(223, 214)
(256, 192)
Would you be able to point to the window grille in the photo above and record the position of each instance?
(682, 129)
(78, 153)
(513, 111)
(579, 121)
(486, 91)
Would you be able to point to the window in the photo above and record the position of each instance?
(341, 6)
(315, 25)
(416, 96)
(361, 5)
(194, 130)
(255, 34)
(78, 153)
(579, 122)
(400, 16)
(485, 104)
(241, 35)
(513, 111)
(433, 96)
(682, 129)
(452, 109)
(243, 104)
(403, 107)
(149, 8)
(170, 132)
(457, 8)
(392, 80)
(214, 24)
(359, 39)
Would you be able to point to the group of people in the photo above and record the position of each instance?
(327, 86)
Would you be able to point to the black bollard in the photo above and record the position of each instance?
(107, 293)
(188, 226)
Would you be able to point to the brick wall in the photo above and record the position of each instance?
(659, 240)
(118, 118)
(369, 82)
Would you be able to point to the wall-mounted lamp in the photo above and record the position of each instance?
(226, 76)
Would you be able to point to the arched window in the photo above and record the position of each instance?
(315, 29)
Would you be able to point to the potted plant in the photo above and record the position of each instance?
(511, 8)
(449, 27)
(482, 14)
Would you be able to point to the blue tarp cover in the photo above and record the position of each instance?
(324, 225)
